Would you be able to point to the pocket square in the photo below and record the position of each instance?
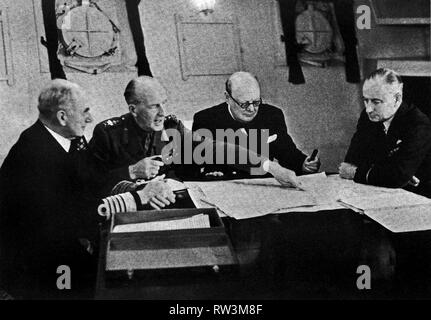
(272, 138)
(395, 149)
(244, 131)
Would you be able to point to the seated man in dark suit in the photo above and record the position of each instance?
(244, 111)
(392, 148)
(392, 143)
(48, 215)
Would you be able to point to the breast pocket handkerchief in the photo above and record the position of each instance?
(272, 138)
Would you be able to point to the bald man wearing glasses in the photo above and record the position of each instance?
(244, 110)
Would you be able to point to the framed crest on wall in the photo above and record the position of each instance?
(317, 33)
(93, 36)
(88, 37)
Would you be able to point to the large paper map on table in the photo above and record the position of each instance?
(396, 209)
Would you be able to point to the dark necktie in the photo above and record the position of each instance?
(78, 144)
(385, 132)
(148, 144)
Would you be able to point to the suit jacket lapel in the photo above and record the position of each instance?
(46, 139)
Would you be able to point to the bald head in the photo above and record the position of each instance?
(146, 97)
(243, 96)
(145, 90)
(243, 85)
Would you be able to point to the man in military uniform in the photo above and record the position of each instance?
(130, 146)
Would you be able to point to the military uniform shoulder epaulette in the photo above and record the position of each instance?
(113, 122)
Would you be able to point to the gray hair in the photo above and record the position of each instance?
(389, 77)
(58, 95)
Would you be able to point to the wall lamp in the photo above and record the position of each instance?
(205, 6)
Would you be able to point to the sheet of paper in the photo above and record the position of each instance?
(249, 198)
(349, 188)
(396, 209)
(175, 184)
(401, 200)
(194, 222)
(199, 199)
(400, 211)
(407, 219)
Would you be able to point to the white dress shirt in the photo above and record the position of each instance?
(387, 124)
(64, 142)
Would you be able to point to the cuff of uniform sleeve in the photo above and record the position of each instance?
(139, 205)
(124, 186)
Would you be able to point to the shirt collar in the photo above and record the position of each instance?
(387, 124)
(164, 136)
(64, 142)
(140, 132)
(230, 111)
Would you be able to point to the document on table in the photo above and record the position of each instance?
(194, 222)
(200, 200)
(403, 212)
(403, 199)
(327, 190)
(408, 219)
(175, 185)
(316, 185)
(249, 198)
(396, 209)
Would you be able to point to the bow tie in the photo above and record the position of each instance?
(78, 144)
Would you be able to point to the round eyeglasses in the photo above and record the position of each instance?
(245, 105)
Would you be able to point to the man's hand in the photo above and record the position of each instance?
(145, 168)
(311, 166)
(414, 181)
(158, 194)
(347, 170)
(285, 176)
